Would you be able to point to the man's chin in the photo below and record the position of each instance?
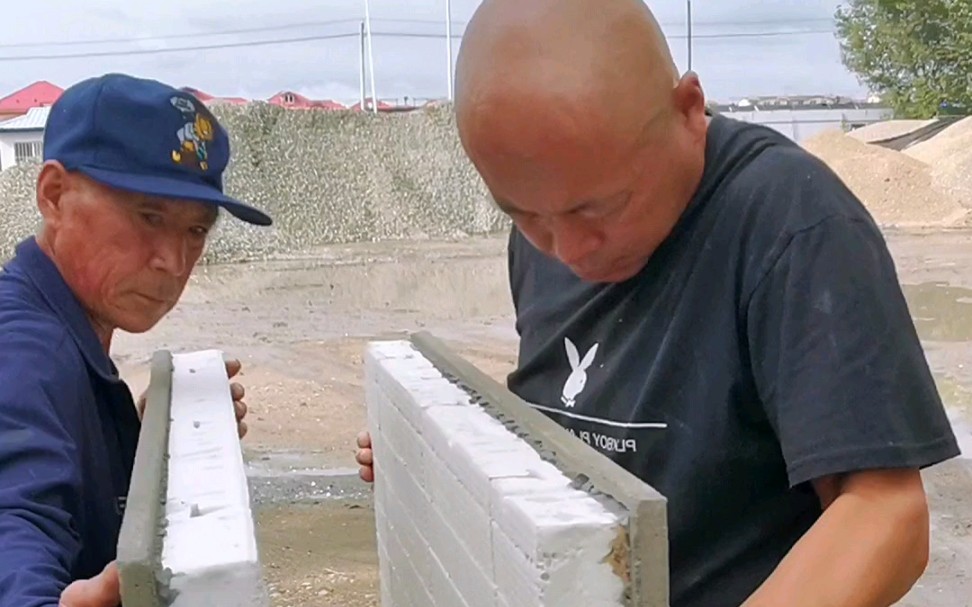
(141, 323)
(137, 326)
(615, 274)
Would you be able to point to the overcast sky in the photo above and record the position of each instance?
(301, 47)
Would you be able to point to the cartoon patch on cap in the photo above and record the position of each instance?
(193, 136)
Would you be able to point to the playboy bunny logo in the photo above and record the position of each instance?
(578, 372)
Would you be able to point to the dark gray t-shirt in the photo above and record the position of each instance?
(765, 344)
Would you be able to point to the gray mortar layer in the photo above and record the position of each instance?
(591, 471)
(140, 540)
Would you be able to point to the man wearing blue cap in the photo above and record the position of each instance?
(129, 191)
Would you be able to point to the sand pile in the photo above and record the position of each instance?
(327, 177)
(949, 156)
(897, 190)
(888, 129)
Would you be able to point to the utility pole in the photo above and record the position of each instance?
(361, 55)
(371, 57)
(448, 17)
(688, 4)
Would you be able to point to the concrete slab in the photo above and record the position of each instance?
(188, 537)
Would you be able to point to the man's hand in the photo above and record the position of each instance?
(103, 590)
(236, 391)
(365, 458)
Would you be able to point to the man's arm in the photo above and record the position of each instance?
(39, 485)
(846, 387)
(868, 548)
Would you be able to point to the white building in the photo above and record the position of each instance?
(21, 138)
(800, 118)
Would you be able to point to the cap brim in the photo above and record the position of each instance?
(166, 187)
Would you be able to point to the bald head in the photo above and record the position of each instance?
(602, 64)
(574, 107)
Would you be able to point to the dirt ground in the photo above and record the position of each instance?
(299, 326)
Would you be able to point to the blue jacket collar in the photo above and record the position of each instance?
(32, 263)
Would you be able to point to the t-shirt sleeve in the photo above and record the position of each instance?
(836, 358)
(39, 478)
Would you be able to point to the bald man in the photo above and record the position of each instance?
(706, 304)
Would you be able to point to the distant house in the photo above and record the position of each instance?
(22, 138)
(369, 105)
(296, 101)
(206, 98)
(39, 94)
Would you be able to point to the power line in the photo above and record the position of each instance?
(672, 37)
(753, 34)
(196, 35)
(295, 40)
(159, 51)
(306, 24)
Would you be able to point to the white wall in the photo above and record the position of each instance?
(7, 141)
(467, 512)
(800, 125)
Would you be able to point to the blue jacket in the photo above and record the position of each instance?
(68, 433)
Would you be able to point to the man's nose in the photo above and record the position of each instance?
(170, 255)
(573, 241)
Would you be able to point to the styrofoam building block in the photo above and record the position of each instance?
(469, 514)
(207, 552)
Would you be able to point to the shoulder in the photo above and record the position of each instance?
(36, 349)
(782, 185)
(776, 191)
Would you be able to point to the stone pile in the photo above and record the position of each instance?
(325, 177)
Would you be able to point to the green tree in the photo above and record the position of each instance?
(917, 53)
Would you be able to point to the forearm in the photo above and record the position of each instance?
(862, 552)
(33, 571)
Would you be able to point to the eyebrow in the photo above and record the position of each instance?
(509, 208)
(209, 218)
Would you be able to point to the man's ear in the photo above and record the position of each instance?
(690, 102)
(51, 185)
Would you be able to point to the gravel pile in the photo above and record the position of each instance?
(949, 156)
(897, 190)
(325, 177)
(19, 217)
(888, 129)
(336, 177)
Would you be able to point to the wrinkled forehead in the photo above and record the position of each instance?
(184, 210)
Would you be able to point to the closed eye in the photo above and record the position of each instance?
(153, 219)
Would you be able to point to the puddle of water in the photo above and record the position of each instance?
(963, 432)
(941, 312)
(299, 477)
(434, 285)
(958, 401)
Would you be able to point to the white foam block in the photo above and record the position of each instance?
(500, 526)
(209, 545)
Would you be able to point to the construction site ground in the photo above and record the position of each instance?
(300, 327)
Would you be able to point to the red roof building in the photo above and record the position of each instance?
(206, 98)
(38, 94)
(296, 101)
(368, 104)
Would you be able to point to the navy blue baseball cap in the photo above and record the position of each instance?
(143, 136)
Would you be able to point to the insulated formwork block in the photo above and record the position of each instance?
(521, 513)
(188, 536)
